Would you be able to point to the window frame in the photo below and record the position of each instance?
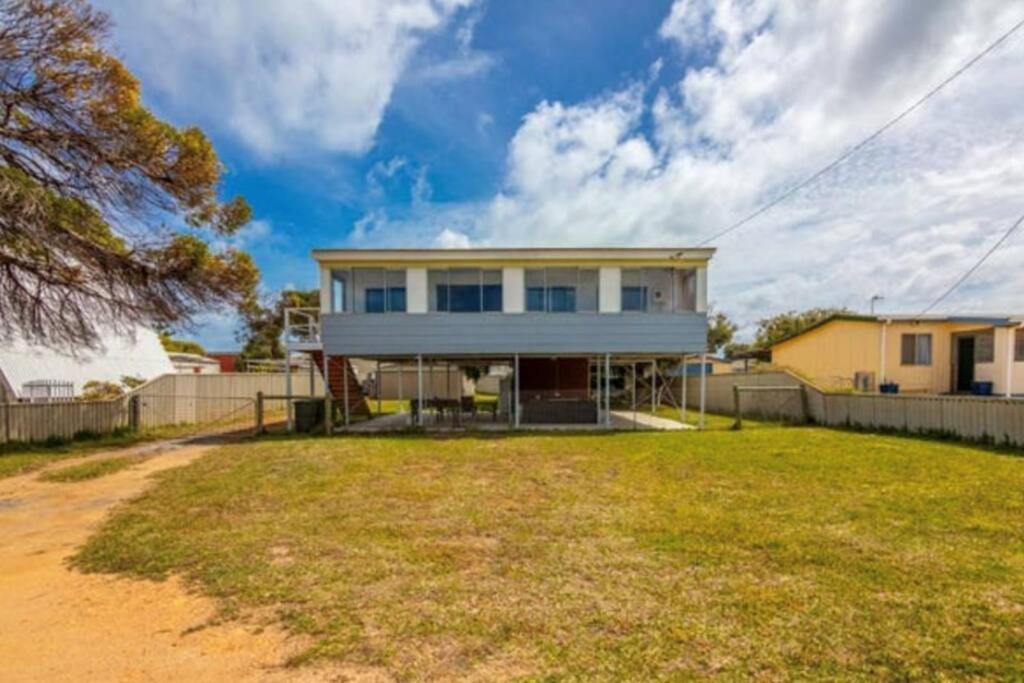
(1018, 345)
(435, 297)
(915, 348)
(572, 290)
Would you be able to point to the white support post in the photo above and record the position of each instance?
(703, 388)
(1011, 343)
(654, 387)
(419, 390)
(344, 385)
(634, 395)
(288, 386)
(515, 391)
(607, 389)
(401, 376)
(597, 389)
(682, 402)
(377, 384)
(881, 356)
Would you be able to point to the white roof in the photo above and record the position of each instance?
(118, 356)
(610, 254)
(182, 357)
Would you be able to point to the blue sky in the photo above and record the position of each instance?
(454, 122)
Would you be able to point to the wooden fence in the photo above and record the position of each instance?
(973, 418)
(165, 400)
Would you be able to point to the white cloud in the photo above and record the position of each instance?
(782, 89)
(279, 77)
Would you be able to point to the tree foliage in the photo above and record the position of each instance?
(777, 327)
(265, 324)
(720, 331)
(90, 181)
(172, 345)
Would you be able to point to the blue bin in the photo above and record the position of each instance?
(889, 388)
(981, 388)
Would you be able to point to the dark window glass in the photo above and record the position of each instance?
(375, 300)
(907, 347)
(634, 298)
(562, 299)
(535, 299)
(464, 298)
(492, 298)
(442, 297)
(396, 299)
(1019, 355)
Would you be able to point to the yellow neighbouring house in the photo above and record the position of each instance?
(921, 354)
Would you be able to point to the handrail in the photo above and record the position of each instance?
(301, 325)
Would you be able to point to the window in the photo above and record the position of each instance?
(561, 290)
(916, 349)
(984, 347)
(659, 290)
(376, 290)
(340, 290)
(464, 290)
(1018, 355)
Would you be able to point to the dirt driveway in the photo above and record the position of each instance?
(57, 624)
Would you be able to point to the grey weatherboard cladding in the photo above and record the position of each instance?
(409, 334)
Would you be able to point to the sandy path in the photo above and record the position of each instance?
(60, 625)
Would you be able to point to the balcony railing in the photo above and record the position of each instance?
(301, 326)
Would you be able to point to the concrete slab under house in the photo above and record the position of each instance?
(566, 338)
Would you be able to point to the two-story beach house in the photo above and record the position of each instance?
(560, 319)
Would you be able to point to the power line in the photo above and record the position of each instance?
(866, 141)
(970, 271)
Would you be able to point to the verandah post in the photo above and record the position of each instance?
(419, 390)
(634, 394)
(377, 386)
(607, 389)
(682, 404)
(328, 397)
(703, 387)
(654, 386)
(515, 398)
(344, 385)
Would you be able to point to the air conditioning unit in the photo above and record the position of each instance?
(864, 381)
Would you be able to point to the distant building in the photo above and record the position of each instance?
(33, 372)
(193, 363)
(229, 360)
(919, 354)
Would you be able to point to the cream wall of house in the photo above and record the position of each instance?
(830, 355)
(609, 294)
(1006, 374)
(416, 293)
(513, 290)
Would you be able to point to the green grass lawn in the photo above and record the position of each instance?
(91, 469)
(772, 552)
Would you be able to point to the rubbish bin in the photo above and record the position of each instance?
(308, 414)
(889, 388)
(981, 388)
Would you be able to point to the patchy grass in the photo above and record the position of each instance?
(19, 458)
(88, 470)
(771, 553)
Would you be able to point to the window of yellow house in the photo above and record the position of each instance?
(916, 349)
(985, 347)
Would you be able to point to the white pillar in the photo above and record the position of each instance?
(515, 390)
(654, 386)
(419, 390)
(881, 369)
(378, 383)
(597, 389)
(288, 386)
(634, 395)
(703, 388)
(607, 389)
(1011, 342)
(682, 403)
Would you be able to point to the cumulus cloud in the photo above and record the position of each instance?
(784, 88)
(281, 78)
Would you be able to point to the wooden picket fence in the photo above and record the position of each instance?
(166, 400)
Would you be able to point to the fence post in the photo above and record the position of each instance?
(133, 413)
(805, 402)
(738, 424)
(259, 413)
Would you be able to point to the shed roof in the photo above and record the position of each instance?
(137, 355)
